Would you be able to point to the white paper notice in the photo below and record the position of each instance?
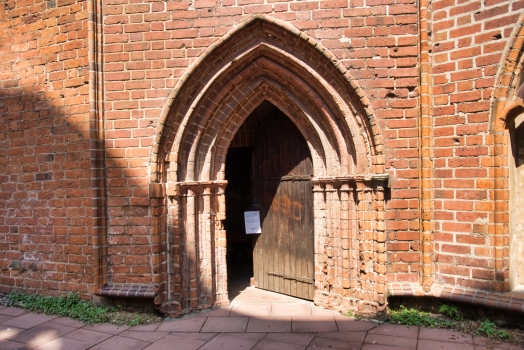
(252, 220)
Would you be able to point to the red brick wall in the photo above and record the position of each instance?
(45, 190)
(149, 45)
(45, 205)
(470, 43)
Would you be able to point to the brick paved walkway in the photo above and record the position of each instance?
(243, 326)
(257, 327)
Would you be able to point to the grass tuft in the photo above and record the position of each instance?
(414, 317)
(451, 319)
(70, 305)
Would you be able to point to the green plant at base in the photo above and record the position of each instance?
(353, 314)
(414, 317)
(69, 305)
(503, 334)
(489, 329)
(450, 311)
(72, 306)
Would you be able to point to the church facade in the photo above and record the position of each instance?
(379, 143)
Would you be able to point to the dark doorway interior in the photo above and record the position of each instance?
(238, 200)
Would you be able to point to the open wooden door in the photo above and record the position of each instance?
(284, 253)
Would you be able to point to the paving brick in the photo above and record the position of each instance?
(66, 343)
(272, 345)
(144, 335)
(445, 335)
(88, 336)
(42, 334)
(12, 311)
(269, 324)
(229, 342)
(291, 338)
(435, 344)
(293, 310)
(169, 341)
(120, 343)
(317, 324)
(12, 345)
(28, 320)
(396, 330)
(225, 324)
(346, 324)
(328, 343)
(68, 322)
(407, 343)
(251, 310)
(107, 328)
(193, 324)
(9, 332)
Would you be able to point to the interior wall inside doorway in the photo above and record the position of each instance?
(238, 199)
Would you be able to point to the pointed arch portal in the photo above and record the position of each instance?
(265, 59)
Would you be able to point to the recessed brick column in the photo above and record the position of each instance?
(350, 251)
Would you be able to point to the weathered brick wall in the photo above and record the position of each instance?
(470, 42)
(45, 204)
(149, 45)
(46, 192)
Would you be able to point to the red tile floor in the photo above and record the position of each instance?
(255, 320)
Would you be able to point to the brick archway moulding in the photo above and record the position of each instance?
(267, 59)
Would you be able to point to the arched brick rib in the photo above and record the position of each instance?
(295, 52)
(234, 102)
(261, 89)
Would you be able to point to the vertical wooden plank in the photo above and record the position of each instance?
(284, 246)
(308, 190)
(273, 154)
(265, 172)
(294, 246)
(286, 252)
(301, 234)
(308, 218)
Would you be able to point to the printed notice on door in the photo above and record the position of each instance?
(252, 220)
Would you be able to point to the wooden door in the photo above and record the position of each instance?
(284, 252)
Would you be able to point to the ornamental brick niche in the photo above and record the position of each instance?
(267, 60)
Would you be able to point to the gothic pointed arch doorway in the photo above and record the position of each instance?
(269, 170)
(266, 59)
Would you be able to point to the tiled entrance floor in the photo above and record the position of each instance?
(244, 325)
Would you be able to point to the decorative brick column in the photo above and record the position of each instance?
(350, 252)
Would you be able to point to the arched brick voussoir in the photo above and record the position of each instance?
(212, 164)
(337, 117)
(232, 112)
(223, 53)
(312, 114)
(507, 84)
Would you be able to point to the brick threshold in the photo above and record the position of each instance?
(513, 301)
